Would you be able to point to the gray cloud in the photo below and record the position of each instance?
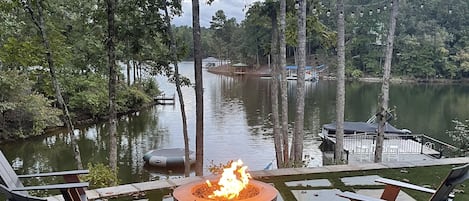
(232, 8)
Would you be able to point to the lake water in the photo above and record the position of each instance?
(237, 124)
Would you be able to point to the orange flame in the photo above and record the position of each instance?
(233, 180)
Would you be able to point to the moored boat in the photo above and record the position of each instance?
(173, 157)
(350, 128)
(370, 127)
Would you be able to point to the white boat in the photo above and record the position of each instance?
(173, 157)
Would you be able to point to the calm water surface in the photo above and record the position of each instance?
(237, 124)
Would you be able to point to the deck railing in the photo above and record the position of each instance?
(415, 143)
(395, 144)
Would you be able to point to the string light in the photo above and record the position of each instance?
(378, 10)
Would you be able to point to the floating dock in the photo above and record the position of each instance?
(165, 100)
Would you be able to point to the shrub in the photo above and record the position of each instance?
(23, 112)
(356, 74)
(101, 176)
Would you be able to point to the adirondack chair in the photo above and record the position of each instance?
(444, 192)
(14, 190)
(16, 196)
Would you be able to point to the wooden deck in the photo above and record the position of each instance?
(136, 188)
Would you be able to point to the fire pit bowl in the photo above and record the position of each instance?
(257, 191)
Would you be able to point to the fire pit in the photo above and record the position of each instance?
(234, 184)
(198, 191)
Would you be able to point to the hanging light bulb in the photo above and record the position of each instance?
(391, 4)
(341, 14)
(421, 5)
(315, 10)
(450, 11)
(378, 10)
(352, 14)
(297, 5)
(371, 12)
(328, 13)
(385, 7)
(361, 13)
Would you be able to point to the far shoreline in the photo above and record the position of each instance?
(264, 71)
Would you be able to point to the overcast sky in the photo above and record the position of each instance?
(232, 8)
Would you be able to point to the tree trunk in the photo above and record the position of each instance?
(199, 101)
(40, 25)
(384, 96)
(128, 72)
(173, 52)
(134, 66)
(297, 146)
(111, 62)
(340, 99)
(283, 83)
(274, 92)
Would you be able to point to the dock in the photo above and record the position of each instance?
(361, 148)
(165, 100)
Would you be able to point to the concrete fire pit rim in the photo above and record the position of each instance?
(184, 192)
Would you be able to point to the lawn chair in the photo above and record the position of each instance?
(14, 189)
(444, 192)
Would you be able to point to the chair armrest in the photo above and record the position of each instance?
(405, 185)
(53, 186)
(357, 197)
(50, 174)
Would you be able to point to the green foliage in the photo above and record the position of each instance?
(87, 94)
(101, 176)
(24, 113)
(15, 53)
(356, 74)
(150, 87)
(129, 98)
(42, 114)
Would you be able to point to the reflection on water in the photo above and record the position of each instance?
(237, 123)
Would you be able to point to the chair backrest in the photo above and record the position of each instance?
(457, 176)
(8, 175)
(16, 196)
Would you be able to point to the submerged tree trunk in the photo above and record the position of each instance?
(199, 101)
(111, 62)
(40, 25)
(384, 96)
(297, 146)
(340, 99)
(274, 92)
(174, 59)
(283, 84)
